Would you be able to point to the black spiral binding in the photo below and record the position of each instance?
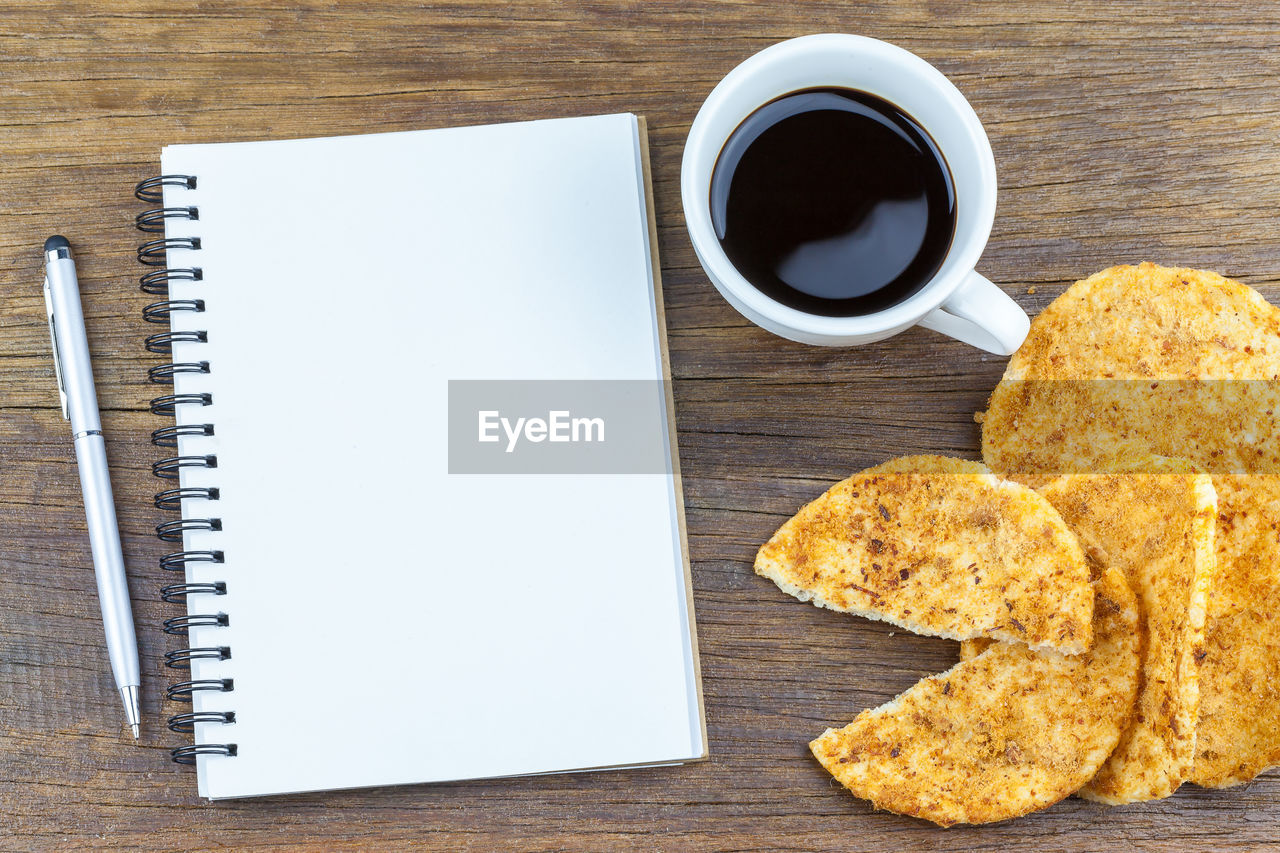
(153, 253)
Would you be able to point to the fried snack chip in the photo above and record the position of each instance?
(1157, 528)
(1037, 429)
(1238, 735)
(1152, 322)
(1248, 541)
(1183, 361)
(938, 546)
(1239, 732)
(1179, 363)
(1009, 732)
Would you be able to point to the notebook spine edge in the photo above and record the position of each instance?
(154, 253)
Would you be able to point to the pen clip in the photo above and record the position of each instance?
(57, 355)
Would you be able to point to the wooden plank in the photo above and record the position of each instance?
(1121, 131)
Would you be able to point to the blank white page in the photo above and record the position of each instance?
(389, 622)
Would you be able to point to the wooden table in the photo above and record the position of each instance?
(1122, 132)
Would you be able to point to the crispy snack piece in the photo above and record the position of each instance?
(1183, 361)
(1157, 529)
(1248, 541)
(1009, 732)
(1152, 322)
(1179, 363)
(1042, 428)
(938, 546)
(1239, 733)
(1094, 555)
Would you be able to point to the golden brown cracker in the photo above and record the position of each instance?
(1179, 363)
(1007, 733)
(938, 546)
(1182, 361)
(1157, 530)
(1152, 322)
(1239, 732)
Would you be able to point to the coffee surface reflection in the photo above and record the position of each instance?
(833, 202)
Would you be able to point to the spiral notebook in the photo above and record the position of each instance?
(357, 612)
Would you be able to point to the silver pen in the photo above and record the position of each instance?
(80, 406)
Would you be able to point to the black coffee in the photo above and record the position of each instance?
(834, 202)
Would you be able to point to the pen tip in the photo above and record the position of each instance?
(56, 242)
(132, 709)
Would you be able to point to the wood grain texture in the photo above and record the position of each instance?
(1122, 132)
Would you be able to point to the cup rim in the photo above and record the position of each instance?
(962, 257)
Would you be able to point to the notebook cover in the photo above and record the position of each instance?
(390, 622)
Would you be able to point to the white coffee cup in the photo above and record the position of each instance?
(957, 301)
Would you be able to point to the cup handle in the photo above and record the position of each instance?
(981, 315)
